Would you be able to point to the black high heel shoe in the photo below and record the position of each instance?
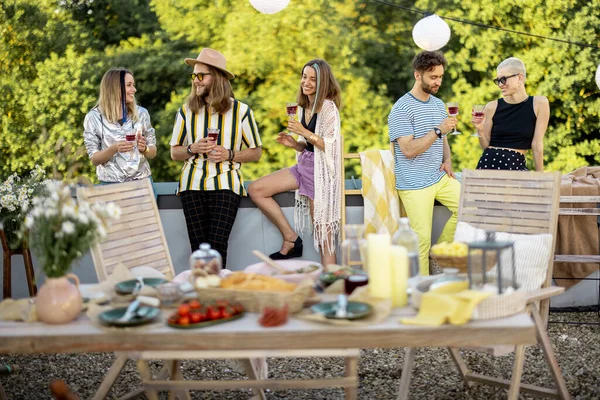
(295, 252)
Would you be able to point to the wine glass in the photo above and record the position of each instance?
(213, 134)
(130, 136)
(478, 113)
(453, 112)
(292, 111)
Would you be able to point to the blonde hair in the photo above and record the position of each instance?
(514, 64)
(109, 100)
(220, 94)
(327, 86)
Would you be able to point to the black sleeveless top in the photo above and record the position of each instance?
(513, 125)
(312, 126)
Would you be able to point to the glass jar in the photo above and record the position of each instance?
(407, 238)
(206, 259)
(354, 248)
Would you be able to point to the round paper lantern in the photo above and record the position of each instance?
(431, 33)
(269, 6)
(598, 77)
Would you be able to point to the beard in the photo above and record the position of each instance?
(428, 88)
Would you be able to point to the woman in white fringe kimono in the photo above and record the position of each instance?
(317, 176)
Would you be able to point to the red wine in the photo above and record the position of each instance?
(213, 136)
(478, 114)
(130, 137)
(292, 110)
(452, 110)
(351, 282)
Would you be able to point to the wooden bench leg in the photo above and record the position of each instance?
(409, 358)
(29, 273)
(352, 372)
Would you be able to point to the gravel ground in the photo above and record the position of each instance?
(577, 348)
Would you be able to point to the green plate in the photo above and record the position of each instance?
(206, 323)
(126, 287)
(356, 310)
(111, 317)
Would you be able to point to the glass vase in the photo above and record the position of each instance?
(354, 248)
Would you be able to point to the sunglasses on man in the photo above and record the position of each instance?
(497, 81)
(199, 75)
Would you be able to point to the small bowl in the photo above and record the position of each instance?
(289, 265)
(169, 293)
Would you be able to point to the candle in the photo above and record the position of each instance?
(379, 265)
(399, 258)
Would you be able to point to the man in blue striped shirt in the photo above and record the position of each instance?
(418, 125)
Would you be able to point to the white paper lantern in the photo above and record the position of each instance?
(598, 77)
(431, 33)
(269, 6)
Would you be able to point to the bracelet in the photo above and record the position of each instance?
(231, 155)
(146, 151)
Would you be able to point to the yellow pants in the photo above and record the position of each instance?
(419, 210)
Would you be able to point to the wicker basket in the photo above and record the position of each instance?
(494, 306)
(252, 299)
(461, 262)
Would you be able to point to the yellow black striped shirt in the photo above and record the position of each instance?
(237, 128)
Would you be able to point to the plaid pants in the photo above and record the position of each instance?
(209, 216)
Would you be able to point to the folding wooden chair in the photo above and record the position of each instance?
(515, 202)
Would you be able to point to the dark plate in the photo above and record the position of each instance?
(206, 323)
(126, 287)
(110, 317)
(356, 310)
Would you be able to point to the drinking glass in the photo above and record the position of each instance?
(213, 134)
(292, 111)
(130, 136)
(453, 112)
(478, 112)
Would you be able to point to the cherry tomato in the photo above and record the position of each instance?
(194, 305)
(195, 317)
(184, 310)
(174, 319)
(226, 312)
(184, 320)
(212, 314)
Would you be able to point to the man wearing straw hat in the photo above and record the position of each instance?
(211, 183)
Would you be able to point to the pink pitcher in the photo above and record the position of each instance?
(59, 301)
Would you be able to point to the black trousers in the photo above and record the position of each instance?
(209, 216)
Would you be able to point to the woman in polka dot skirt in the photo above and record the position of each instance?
(512, 124)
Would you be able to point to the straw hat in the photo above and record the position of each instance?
(213, 58)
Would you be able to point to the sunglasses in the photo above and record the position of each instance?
(497, 81)
(199, 75)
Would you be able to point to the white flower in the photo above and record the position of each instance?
(113, 211)
(68, 227)
(83, 218)
(50, 212)
(28, 222)
(68, 211)
(101, 231)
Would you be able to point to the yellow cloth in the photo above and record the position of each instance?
(381, 203)
(18, 310)
(450, 303)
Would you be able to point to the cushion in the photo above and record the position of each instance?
(532, 254)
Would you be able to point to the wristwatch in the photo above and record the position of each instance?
(438, 132)
(189, 151)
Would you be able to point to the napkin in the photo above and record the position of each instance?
(18, 310)
(122, 273)
(381, 309)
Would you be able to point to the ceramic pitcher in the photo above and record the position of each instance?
(59, 301)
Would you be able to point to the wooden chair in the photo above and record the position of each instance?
(514, 202)
(7, 264)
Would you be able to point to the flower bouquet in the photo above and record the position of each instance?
(16, 194)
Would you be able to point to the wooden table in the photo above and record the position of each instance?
(246, 338)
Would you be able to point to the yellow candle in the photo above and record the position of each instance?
(399, 275)
(379, 265)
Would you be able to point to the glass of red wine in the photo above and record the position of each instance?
(478, 113)
(130, 136)
(292, 111)
(453, 112)
(213, 134)
(351, 282)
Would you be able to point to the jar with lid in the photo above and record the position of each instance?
(206, 261)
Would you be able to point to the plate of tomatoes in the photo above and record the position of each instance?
(193, 314)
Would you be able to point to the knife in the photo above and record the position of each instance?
(129, 313)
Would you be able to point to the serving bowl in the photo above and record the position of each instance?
(289, 265)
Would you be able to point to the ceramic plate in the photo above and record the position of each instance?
(356, 310)
(126, 287)
(110, 317)
(206, 323)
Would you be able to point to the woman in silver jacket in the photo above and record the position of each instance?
(108, 126)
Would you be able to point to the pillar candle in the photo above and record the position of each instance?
(379, 265)
(399, 275)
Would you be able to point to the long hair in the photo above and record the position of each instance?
(110, 100)
(220, 94)
(327, 86)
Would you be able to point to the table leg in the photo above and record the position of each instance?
(146, 375)
(409, 358)
(253, 375)
(176, 374)
(2, 393)
(352, 372)
(111, 377)
(515, 381)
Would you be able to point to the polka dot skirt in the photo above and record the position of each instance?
(502, 159)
